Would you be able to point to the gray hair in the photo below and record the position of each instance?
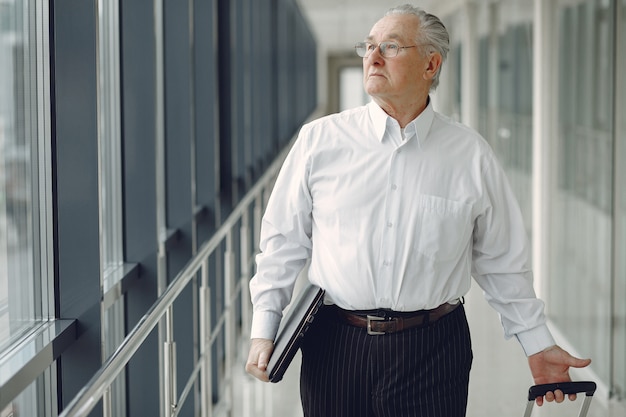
(432, 33)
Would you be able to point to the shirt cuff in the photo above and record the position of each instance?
(264, 325)
(535, 340)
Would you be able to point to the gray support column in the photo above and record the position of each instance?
(493, 68)
(618, 370)
(544, 135)
(469, 58)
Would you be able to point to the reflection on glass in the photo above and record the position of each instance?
(109, 132)
(582, 227)
(32, 401)
(505, 92)
(20, 302)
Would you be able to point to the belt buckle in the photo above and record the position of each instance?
(369, 325)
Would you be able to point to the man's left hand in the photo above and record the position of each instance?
(552, 366)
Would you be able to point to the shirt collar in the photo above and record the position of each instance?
(419, 126)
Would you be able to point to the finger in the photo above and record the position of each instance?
(251, 367)
(539, 401)
(258, 358)
(264, 358)
(579, 363)
(549, 396)
(559, 396)
(257, 372)
(572, 397)
(252, 363)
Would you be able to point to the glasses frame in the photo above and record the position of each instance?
(383, 46)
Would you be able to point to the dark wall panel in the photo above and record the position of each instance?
(139, 162)
(205, 115)
(179, 210)
(76, 189)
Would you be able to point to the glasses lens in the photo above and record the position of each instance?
(389, 49)
(361, 49)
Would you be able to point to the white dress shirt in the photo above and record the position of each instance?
(398, 219)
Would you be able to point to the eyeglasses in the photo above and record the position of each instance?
(387, 49)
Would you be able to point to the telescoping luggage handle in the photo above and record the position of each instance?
(588, 387)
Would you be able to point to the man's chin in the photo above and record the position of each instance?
(374, 89)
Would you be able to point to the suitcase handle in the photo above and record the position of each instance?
(588, 387)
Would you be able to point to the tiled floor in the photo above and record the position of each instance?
(499, 381)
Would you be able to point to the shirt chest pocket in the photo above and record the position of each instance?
(442, 227)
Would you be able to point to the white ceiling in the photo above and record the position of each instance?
(338, 24)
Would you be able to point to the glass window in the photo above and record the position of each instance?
(109, 136)
(109, 142)
(582, 226)
(33, 401)
(619, 324)
(23, 168)
(351, 93)
(505, 91)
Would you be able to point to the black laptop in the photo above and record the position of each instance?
(292, 328)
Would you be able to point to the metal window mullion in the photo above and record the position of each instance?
(192, 125)
(109, 173)
(109, 135)
(616, 387)
(160, 190)
(44, 162)
(44, 276)
(160, 139)
(115, 114)
(197, 292)
(247, 84)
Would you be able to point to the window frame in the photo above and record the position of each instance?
(46, 337)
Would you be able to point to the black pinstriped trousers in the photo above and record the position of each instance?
(420, 372)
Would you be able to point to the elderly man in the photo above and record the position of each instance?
(397, 207)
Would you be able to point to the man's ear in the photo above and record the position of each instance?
(434, 63)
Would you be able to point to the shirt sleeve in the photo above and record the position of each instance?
(501, 264)
(285, 243)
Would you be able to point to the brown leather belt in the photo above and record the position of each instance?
(385, 322)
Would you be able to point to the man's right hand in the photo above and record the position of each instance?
(258, 358)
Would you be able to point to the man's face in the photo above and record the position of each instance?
(401, 77)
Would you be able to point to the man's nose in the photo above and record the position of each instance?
(376, 55)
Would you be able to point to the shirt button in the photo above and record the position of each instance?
(394, 187)
(389, 224)
(386, 263)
